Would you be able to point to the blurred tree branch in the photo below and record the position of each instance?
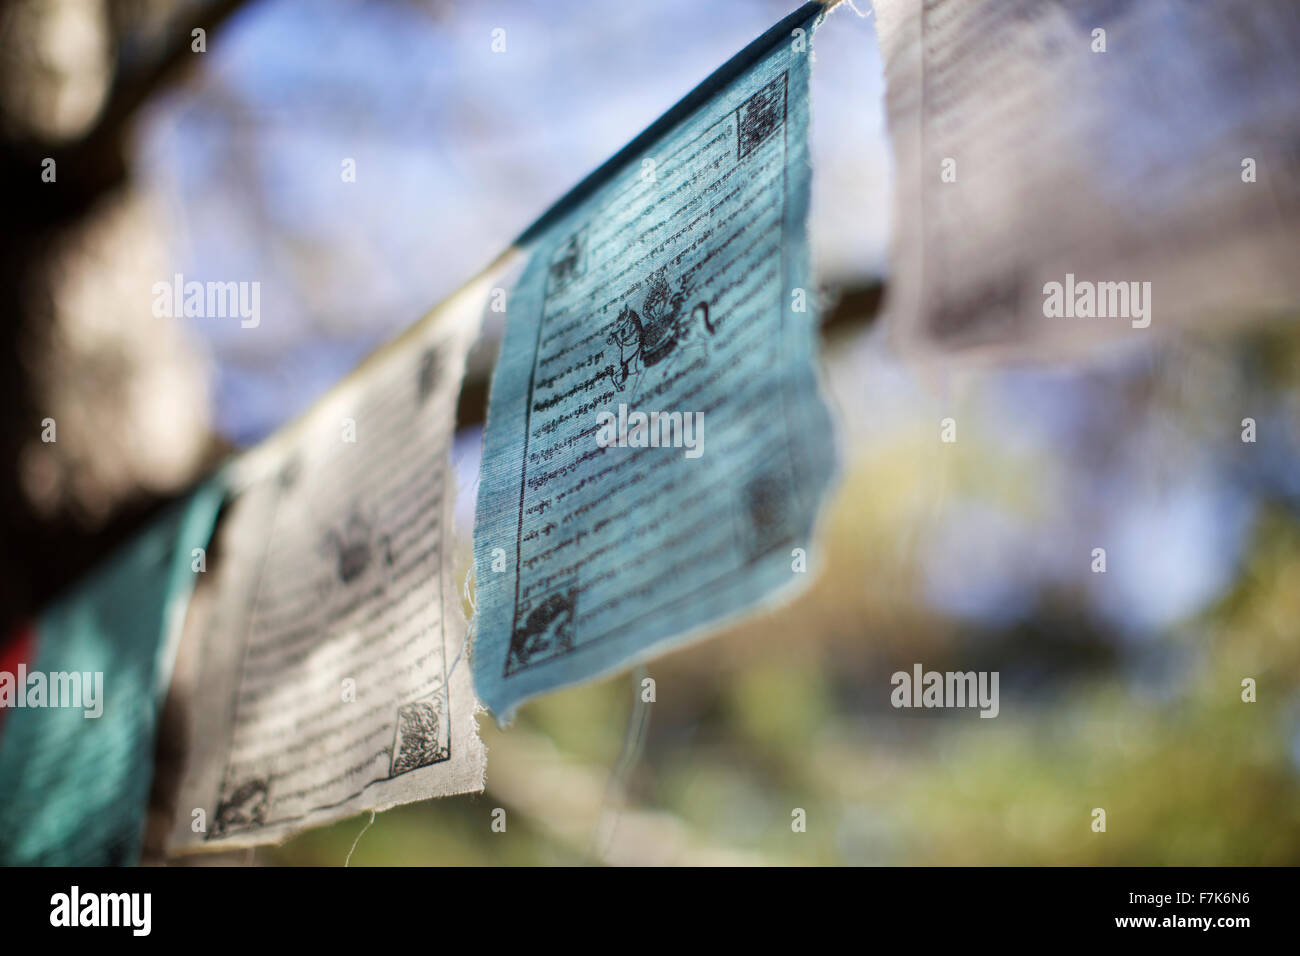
(94, 163)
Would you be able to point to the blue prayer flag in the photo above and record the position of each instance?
(657, 446)
(76, 752)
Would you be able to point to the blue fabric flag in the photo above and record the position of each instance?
(657, 446)
(77, 749)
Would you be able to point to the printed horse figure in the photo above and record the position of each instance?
(654, 333)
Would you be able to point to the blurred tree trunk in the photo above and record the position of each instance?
(150, 44)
